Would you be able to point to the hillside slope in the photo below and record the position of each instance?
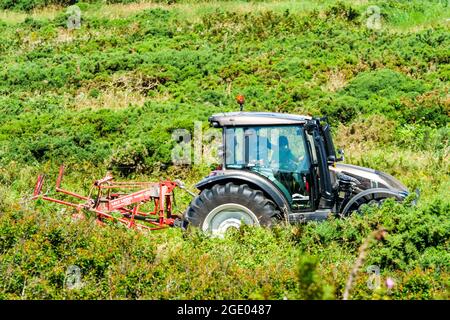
(110, 94)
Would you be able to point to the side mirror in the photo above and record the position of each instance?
(341, 155)
(331, 159)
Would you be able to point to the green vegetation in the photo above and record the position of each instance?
(110, 94)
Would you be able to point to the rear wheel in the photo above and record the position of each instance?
(224, 207)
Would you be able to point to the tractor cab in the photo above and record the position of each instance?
(279, 147)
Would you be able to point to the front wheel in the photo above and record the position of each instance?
(374, 196)
(227, 206)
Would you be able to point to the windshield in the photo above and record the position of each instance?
(277, 147)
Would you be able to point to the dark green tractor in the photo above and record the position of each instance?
(282, 167)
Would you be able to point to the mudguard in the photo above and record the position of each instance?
(253, 180)
(375, 193)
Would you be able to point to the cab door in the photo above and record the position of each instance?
(279, 153)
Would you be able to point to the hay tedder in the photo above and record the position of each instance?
(122, 201)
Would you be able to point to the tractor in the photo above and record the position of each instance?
(274, 167)
(282, 167)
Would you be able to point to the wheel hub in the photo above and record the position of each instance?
(229, 224)
(226, 216)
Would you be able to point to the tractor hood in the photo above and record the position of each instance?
(369, 178)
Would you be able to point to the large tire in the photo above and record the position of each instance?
(228, 206)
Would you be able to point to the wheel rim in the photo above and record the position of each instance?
(226, 216)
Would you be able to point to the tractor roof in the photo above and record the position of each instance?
(255, 119)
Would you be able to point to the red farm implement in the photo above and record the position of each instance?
(122, 201)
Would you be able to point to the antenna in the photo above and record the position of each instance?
(240, 99)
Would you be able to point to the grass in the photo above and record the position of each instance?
(109, 95)
(430, 14)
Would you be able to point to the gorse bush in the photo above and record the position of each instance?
(111, 94)
(251, 263)
(158, 60)
(27, 5)
(385, 83)
(141, 136)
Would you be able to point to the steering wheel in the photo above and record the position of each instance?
(293, 165)
(290, 166)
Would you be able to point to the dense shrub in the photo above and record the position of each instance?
(385, 83)
(96, 101)
(297, 262)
